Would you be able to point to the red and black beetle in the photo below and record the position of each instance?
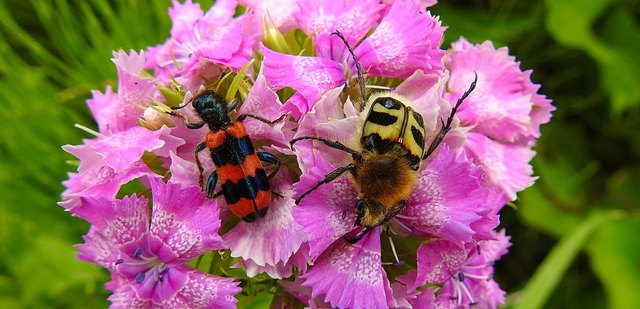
(238, 167)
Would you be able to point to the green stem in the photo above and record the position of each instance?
(550, 272)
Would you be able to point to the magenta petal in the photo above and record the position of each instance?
(184, 16)
(406, 40)
(281, 270)
(118, 150)
(101, 181)
(438, 261)
(120, 221)
(274, 238)
(310, 76)
(351, 275)
(352, 18)
(264, 102)
(185, 222)
(506, 165)
(278, 12)
(183, 172)
(320, 213)
(444, 202)
(203, 290)
(220, 13)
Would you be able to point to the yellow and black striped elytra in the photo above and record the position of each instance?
(390, 122)
(393, 146)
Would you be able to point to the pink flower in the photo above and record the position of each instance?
(503, 114)
(466, 273)
(448, 202)
(505, 104)
(203, 44)
(108, 162)
(147, 260)
(118, 112)
(404, 40)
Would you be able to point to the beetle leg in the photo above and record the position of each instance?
(270, 158)
(328, 178)
(202, 146)
(242, 117)
(333, 144)
(211, 184)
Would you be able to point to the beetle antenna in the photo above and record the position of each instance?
(358, 66)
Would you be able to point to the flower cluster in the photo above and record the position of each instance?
(138, 179)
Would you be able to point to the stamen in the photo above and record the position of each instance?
(393, 249)
(479, 266)
(162, 273)
(402, 225)
(456, 292)
(468, 293)
(83, 128)
(119, 261)
(140, 277)
(479, 277)
(138, 252)
(380, 87)
(460, 276)
(344, 215)
(405, 217)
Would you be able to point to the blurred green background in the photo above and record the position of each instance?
(575, 234)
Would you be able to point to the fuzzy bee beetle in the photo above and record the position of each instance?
(238, 167)
(393, 146)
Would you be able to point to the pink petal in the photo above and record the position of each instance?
(327, 120)
(351, 275)
(274, 238)
(184, 16)
(310, 76)
(505, 165)
(425, 92)
(320, 213)
(100, 181)
(187, 223)
(406, 40)
(298, 260)
(120, 221)
(119, 151)
(264, 102)
(220, 13)
(352, 18)
(505, 99)
(444, 202)
(183, 172)
(278, 12)
(438, 261)
(193, 289)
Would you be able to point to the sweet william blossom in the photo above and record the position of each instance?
(449, 198)
(404, 40)
(445, 234)
(147, 254)
(503, 113)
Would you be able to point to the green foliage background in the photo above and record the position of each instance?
(576, 233)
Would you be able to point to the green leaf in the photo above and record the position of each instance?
(615, 259)
(554, 266)
(539, 211)
(571, 22)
